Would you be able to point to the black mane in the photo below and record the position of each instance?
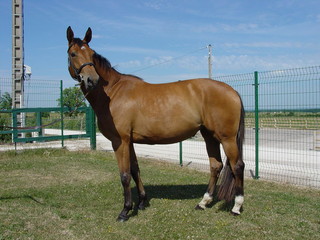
(102, 61)
(106, 65)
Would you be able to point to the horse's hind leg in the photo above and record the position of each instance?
(135, 172)
(213, 149)
(232, 182)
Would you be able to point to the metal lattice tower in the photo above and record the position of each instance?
(17, 54)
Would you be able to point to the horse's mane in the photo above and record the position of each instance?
(106, 65)
(101, 61)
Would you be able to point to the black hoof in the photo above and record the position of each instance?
(143, 202)
(141, 207)
(122, 218)
(198, 208)
(234, 214)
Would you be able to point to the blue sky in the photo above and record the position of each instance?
(246, 36)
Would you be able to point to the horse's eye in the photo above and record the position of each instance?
(73, 54)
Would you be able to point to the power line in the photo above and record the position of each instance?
(170, 60)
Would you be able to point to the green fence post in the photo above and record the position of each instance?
(180, 154)
(93, 132)
(256, 116)
(61, 113)
(39, 123)
(15, 125)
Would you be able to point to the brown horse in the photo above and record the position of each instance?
(130, 110)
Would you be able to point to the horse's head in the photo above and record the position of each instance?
(81, 67)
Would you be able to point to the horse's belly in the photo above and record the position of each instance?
(165, 133)
(162, 139)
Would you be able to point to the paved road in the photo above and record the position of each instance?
(285, 155)
(283, 138)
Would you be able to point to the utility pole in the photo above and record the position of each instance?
(17, 54)
(18, 60)
(210, 61)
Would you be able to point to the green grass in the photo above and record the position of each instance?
(56, 194)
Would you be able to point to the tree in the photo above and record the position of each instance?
(5, 120)
(5, 101)
(72, 98)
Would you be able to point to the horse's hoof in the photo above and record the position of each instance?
(122, 218)
(234, 213)
(198, 208)
(143, 202)
(141, 207)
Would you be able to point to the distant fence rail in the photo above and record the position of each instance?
(285, 123)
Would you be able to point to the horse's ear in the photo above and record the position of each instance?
(88, 36)
(70, 35)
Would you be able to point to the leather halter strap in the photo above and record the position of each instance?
(78, 71)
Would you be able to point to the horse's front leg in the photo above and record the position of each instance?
(123, 157)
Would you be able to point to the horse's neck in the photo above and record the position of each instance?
(111, 77)
(100, 97)
(94, 95)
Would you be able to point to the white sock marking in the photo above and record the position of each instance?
(205, 200)
(237, 204)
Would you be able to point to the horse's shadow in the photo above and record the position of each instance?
(178, 192)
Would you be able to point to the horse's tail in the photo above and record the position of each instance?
(227, 186)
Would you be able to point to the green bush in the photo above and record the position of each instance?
(5, 120)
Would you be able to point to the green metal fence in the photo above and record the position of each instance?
(20, 135)
(36, 119)
(282, 123)
(288, 117)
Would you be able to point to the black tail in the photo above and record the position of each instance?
(241, 130)
(227, 186)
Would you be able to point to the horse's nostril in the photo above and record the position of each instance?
(90, 81)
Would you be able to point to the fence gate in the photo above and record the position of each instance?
(36, 125)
